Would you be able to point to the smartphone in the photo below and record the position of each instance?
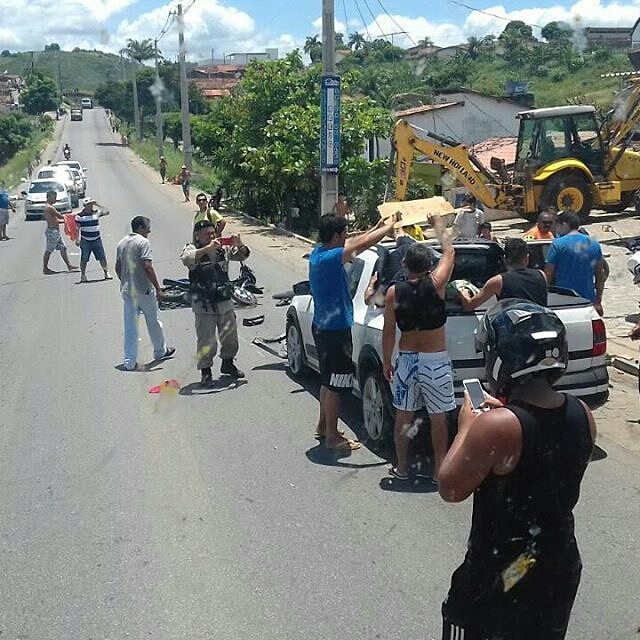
(226, 242)
(475, 391)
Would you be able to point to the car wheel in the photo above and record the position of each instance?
(376, 407)
(296, 358)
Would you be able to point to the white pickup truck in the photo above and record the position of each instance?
(476, 262)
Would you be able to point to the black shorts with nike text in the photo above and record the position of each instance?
(335, 351)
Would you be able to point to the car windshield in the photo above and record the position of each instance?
(43, 187)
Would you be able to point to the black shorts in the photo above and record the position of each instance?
(335, 351)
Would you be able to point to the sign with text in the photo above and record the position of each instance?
(330, 125)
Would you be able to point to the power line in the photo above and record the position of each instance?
(366, 4)
(364, 22)
(396, 23)
(346, 17)
(167, 25)
(488, 13)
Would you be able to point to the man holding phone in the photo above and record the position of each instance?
(207, 259)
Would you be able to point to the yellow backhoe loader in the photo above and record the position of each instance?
(566, 158)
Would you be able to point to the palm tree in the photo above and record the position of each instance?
(474, 47)
(313, 48)
(356, 41)
(139, 51)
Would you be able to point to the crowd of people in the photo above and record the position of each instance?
(522, 454)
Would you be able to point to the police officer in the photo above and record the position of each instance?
(208, 262)
(523, 461)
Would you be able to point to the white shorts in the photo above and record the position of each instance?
(423, 380)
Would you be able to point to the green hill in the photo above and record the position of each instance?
(79, 69)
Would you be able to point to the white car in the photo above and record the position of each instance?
(35, 198)
(476, 262)
(74, 164)
(64, 175)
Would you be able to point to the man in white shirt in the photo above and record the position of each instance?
(466, 222)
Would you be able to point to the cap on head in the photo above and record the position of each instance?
(202, 224)
(87, 201)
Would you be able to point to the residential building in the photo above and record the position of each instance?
(216, 80)
(609, 37)
(10, 87)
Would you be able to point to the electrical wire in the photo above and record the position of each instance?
(346, 18)
(167, 25)
(415, 44)
(364, 22)
(366, 4)
(488, 13)
(188, 7)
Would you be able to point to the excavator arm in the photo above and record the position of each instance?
(449, 154)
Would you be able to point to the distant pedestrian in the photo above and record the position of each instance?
(140, 291)
(185, 181)
(53, 236)
(574, 261)
(208, 264)
(467, 221)
(90, 240)
(216, 199)
(163, 168)
(545, 226)
(523, 462)
(5, 206)
(518, 281)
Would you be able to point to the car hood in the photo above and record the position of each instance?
(42, 197)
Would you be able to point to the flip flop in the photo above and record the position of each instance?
(397, 475)
(346, 445)
(321, 436)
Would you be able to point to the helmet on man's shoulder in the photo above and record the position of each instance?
(521, 339)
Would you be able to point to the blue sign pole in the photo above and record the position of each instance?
(330, 124)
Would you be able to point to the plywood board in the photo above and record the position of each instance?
(416, 211)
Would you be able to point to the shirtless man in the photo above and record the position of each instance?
(53, 236)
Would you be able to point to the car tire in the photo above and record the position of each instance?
(376, 406)
(296, 357)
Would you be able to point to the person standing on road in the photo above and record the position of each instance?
(53, 236)
(575, 261)
(422, 375)
(544, 229)
(333, 316)
(523, 462)
(5, 205)
(163, 168)
(518, 281)
(185, 181)
(90, 240)
(140, 292)
(467, 221)
(207, 212)
(208, 264)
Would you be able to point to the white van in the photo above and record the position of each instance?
(86, 103)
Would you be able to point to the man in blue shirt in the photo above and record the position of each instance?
(333, 317)
(575, 261)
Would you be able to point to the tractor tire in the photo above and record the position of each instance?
(568, 192)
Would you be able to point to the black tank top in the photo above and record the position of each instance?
(526, 284)
(531, 509)
(418, 306)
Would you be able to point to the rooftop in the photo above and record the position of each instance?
(425, 108)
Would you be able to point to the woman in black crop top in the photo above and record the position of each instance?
(421, 376)
(517, 282)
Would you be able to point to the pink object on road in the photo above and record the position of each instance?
(70, 226)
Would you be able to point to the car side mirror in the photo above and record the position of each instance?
(85, 169)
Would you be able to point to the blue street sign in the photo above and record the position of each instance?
(330, 125)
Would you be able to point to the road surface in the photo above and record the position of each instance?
(202, 516)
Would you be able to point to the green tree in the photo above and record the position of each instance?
(356, 41)
(15, 132)
(5, 53)
(54, 46)
(40, 94)
(139, 51)
(313, 48)
(556, 31)
(474, 47)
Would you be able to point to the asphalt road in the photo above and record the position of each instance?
(201, 516)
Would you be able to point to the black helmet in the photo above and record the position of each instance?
(519, 338)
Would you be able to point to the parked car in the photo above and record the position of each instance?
(64, 175)
(74, 165)
(35, 198)
(476, 262)
(76, 114)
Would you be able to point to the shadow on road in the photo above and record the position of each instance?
(91, 281)
(598, 453)
(416, 485)
(219, 385)
(144, 368)
(334, 458)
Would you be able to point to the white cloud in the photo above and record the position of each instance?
(339, 27)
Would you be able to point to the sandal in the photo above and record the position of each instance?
(346, 445)
(321, 436)
(397, 475)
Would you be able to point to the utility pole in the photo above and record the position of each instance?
(158, 96)
(330, 114)
(184, 93)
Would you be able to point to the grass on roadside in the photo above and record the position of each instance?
(15, 169)
(202, 177)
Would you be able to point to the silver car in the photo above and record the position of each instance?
(74, 164)
(64, 175)
(35, 198)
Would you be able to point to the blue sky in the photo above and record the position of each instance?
(252, 25)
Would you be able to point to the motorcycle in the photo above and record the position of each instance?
(67, 153)
(632, 245)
